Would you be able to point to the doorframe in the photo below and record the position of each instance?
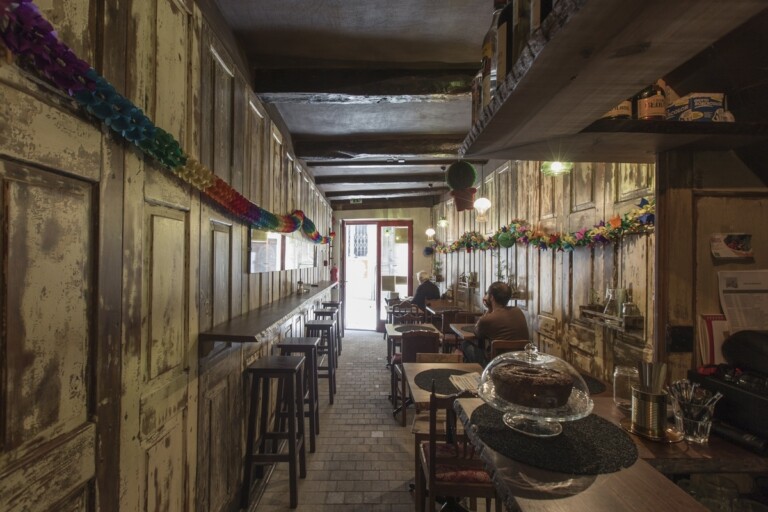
(379, 223)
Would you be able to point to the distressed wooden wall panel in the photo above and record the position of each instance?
(159, 406)
(165, 462)
(217, 480)
(582, 187)
(47, 252)
(581, 278)
(222, 261)
(167, 291)
(166, 68)
(547, 291)
(635, 262)
(48, 135)
(55, 479)
(223, 103)
(633, 181)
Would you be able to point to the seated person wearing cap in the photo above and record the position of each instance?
(500, 322)
(427, 290)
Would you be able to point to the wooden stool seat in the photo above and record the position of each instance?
(325, 330)
(289, 371)
(308, 347)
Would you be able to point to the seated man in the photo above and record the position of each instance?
(427, 290)
(500, 322)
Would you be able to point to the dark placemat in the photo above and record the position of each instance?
(411, 328)
(441, 377)
(588, 446)
(594, 385)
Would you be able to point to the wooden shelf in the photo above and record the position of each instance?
(626, 325)
(588, 56)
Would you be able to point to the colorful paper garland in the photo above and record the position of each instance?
(25, 32)
(639, 220)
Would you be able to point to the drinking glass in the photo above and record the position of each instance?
(624, 377)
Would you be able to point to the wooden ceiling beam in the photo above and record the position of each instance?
(365, 164)
(358, 194)
(376, 204)
(364, 82)
(352, 179)
(315, 150)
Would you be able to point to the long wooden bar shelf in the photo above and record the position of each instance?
(254, 325)
(588, 56)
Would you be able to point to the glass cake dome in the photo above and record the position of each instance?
(535, 391)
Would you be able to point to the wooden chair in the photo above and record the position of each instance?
(406, 312)
(450, 339)
(501, 346)
(412, 343)
(448, 464)
(439, 358)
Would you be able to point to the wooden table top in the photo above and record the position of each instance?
(439, 309)
(250, 326)
(464, 331)
(639, 488)
(421, 396)
(393, 333)
(717, 456)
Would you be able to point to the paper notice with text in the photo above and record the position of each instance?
(744, 298)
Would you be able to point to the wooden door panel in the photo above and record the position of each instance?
(47, 135)
(55, 478)
(167, 319)
(222, 272)
(164, 472)
(47, 444)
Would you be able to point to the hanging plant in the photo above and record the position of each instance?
(460, 175)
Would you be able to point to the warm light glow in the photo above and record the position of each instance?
(482, 204)
(442, 222)
(430, 232)
(556, 168)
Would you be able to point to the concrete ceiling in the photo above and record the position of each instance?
(376, 95)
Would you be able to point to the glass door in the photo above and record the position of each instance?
(360, 264)
(396, 264)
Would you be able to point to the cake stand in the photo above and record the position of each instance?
(535, 421)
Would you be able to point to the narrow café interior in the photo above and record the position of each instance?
(363, 256)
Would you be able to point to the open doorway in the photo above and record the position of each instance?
(377, 263)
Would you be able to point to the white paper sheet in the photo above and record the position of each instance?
(744, 298)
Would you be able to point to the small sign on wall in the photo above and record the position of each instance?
(730, 246)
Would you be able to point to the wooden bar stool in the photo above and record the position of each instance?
(331, 314)
(336, 304)
(325, 330)
(308, 347)
(289, 371)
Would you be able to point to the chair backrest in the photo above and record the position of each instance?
(455, 357)
(414, 342)
(442, 426)
(406, 312)
(448, 318)
(501, 346)
(465, 317)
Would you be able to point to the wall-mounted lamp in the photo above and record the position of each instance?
(556, 168)
(430, 233)
(442, 222)
(482, 204)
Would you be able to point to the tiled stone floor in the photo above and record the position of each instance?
(364, 458)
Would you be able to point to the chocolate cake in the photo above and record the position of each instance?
(532, 387)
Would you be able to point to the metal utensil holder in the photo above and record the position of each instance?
(649, 412)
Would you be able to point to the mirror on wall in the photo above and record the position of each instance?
(266, 251)
(270, 252)
(299, 252)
